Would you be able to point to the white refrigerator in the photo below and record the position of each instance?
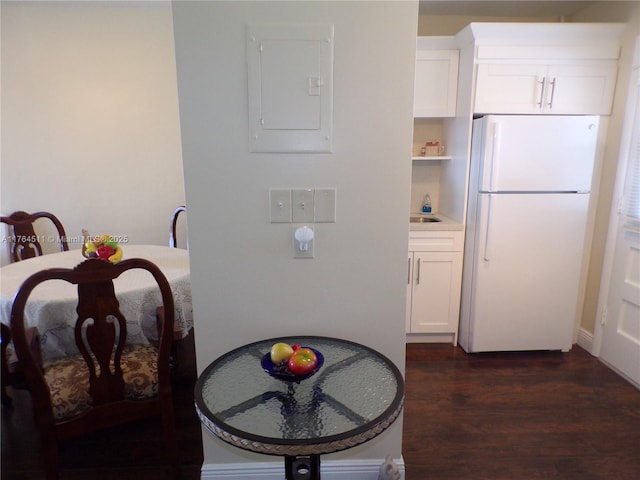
(529, 189)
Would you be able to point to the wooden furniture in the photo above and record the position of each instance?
(109, 382)
(174, 222)
(12, 374)
(353, 397)
(25, 242)
(52, 309)
(5, 340)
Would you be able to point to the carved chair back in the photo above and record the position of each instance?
(25, 243)
(101, 386)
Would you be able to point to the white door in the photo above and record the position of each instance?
(436, 83)
(526, 271)
(580, 89)
(505, 88)
(620, 321)
(538, 153)
(435, 297)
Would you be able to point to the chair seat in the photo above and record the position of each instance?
(68, 380)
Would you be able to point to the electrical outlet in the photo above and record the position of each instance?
(303, 241)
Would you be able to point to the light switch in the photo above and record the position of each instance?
(302, 206)
(280, 205)
(325, 200)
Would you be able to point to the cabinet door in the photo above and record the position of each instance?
(504, 88)
(436, 83)
(580, 89)
(435, 298)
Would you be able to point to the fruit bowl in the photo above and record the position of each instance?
(282, 372)
(103, 246)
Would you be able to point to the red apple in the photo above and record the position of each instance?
(303, 361)
(105, 251)
(296, 346)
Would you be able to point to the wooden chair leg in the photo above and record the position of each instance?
(170, 438)
(5, 379)
(50, 453)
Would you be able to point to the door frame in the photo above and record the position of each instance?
(616, 217)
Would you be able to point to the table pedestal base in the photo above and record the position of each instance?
(302, 467)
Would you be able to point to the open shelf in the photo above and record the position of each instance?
(437, 157)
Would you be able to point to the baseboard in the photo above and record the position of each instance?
(585, 340)
(331, 470)
(431, 338)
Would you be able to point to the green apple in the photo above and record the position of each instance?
(280, 352)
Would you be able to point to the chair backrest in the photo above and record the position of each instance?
(100, 335)
(25, 242)
(174, 221)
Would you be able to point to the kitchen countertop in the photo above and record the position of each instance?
(446, 223)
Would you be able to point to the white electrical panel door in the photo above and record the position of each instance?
(290, 79)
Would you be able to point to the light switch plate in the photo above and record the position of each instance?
(280, 205)
(325, 201)
(302, 206)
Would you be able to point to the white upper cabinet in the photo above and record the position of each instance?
(550, 68)
(436, 80)
(551, 89)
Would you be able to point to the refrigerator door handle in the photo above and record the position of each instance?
(487, 251)
(495, 155)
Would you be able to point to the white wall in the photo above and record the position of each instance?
(246, 284)
(90, 126)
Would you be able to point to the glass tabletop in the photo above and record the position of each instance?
(355, 395)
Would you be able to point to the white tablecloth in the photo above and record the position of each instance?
(52, 305)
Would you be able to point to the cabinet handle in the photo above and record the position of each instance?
(418, 275)
(553, 91)
(544, 84)
(408, 271)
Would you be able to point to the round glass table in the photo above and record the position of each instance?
(354, 396)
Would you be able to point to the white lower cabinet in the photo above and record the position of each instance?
(434, 276)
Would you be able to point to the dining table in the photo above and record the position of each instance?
(52, 306)
(353, 394)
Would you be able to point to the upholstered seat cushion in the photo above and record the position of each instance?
(68, 380)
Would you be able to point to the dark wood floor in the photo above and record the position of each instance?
(522, 416)
(505, 416)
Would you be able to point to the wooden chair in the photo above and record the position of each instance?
(109, 382)
(25, 242)
(5, 340)
(174, 222)
(12, 375)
